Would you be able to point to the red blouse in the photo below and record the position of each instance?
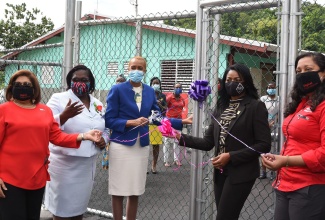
(305, 135)
(24, 140)
(175, 107)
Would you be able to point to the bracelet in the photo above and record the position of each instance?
(82, 137)
(287, 163)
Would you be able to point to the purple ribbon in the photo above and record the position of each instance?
(199, 91)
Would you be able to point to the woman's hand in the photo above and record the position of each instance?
(188, 120)
(101, 144)
(93, 135)
(221, 160)
(137, 122)
(70, 111)
(273, 162)
(2, 187)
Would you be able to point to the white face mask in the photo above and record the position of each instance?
(136, 75)
(156, 87)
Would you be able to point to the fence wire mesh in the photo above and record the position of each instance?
(247, 33)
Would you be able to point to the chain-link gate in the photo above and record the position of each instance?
(249, 32)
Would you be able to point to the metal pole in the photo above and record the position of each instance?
(136, 8)
(26, 62)
(196, 125)
(200, 197)
(244, 7)
(76, 43)
(293, 43)
(213, 78)
(68, 36)
(138, 34)
(211, 3)
(31, 48)
(283, 62)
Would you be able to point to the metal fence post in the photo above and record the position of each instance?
(68, 35)
(76, 42)
(284, 61)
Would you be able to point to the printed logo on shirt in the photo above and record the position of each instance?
(303, 117)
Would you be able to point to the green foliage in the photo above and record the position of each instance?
(2, 79)
(262, 25)
(188, 23)
(255, 25)
(313, 24)
(21, 26)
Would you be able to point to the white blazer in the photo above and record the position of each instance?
(85, 121)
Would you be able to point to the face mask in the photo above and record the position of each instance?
(234, 88)
(178, 91)
(156, 87)
(136, 75)
(80, 88)
(22, 93)
(308, 81)
(271, 91)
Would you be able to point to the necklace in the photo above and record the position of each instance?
(31, 106)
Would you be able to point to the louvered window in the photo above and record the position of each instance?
(126, 69)
(112, 69)
(173, 71)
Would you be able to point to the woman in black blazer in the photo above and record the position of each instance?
(240, 112)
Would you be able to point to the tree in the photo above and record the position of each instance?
(313, 27)
(262, 24)
(188, 23)
(21, 26)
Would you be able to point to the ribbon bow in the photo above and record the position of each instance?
(199, 91)
(166, 128)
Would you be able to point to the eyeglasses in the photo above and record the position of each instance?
(21, 84)
(80, 80)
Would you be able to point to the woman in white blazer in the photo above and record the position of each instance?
(72, 171)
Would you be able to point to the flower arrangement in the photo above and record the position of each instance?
(98, 108)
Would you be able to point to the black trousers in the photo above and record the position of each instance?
(230, 198)
(306, 203)
(21, 204)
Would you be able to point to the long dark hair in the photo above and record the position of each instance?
(245, 75)
(90, 75)
(319, 94)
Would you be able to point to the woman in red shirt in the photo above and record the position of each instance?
(26, 128)
(175, 105)
(300, 182)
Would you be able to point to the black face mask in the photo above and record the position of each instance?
(234, 88)
(22, 93)
(308, 81)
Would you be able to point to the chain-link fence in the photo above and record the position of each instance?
(250, 33)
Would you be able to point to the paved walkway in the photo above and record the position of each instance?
(46, 215)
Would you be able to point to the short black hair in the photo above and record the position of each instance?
(155, 78)
(120, 78)
(90, 75)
